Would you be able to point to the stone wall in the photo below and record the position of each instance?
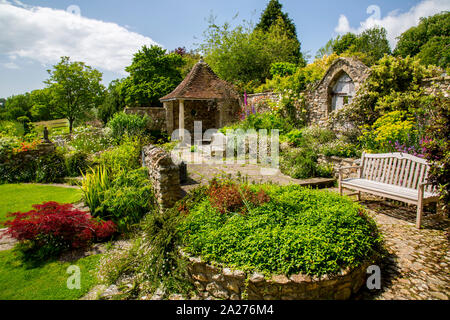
(158, 116)
(223, 283)
(437, 85)
(261, 101)
(338, 162)
(164, 175)
(318, 100)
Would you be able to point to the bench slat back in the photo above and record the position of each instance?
(400, 169)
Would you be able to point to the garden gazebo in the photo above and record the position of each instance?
(201, 96)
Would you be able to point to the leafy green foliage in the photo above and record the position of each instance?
(429, 40)
(128, 124)
(153, 74)
(113, 103)
(437, 149)
(299, 230)
(128, 198)
(77, 164)
(95, 183)
(154, 261)
(273, 15)
(90, 140)
(393, 85)
(126, 156)
(51, 167)
(393, 127)
(372, 43)
(258, 121)
(244, 55)
(76, 89)
(283, 69)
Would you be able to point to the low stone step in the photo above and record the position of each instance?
(319, 183)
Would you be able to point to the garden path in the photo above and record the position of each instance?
(202, 173)
(418, 261)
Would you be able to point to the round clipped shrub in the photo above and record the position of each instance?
(297, 231)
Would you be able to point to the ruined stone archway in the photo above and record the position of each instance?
(320, 99)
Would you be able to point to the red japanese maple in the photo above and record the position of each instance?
(61, 222)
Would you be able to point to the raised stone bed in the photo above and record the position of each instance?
(223, 283)
(338, 162)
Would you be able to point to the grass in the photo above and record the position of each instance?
(46, 282)
(20, 197)
(53, 126)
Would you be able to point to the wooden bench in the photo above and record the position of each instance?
(397, 176)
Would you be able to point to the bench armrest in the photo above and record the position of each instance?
(423, 184)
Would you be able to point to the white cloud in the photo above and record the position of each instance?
(395, 22)
(10, 65)
(45, 34)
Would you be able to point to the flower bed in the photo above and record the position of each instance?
(294, 235)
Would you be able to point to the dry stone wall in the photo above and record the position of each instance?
(164, 175)
(223, 283)
(338, 162)
(437, 85)
(260, 101)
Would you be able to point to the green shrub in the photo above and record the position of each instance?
(95, 183)
(127, 200)
(394, 127)
(51, 167)
(267, 120)
(299, 163)
(340, 148)
(10, 129)
(125, 156)
(130, 124)
(89, 140)
(298, 231)
(153, 261)
(77, 163)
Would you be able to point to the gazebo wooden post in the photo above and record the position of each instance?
(181, 119)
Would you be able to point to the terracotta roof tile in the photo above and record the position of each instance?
(202, 83)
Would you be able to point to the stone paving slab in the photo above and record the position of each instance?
(417, 264)
(203, 173)
(6, 242)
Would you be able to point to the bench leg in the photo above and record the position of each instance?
(358, 196)
(419, 215)
(340, 188)
(419, 208)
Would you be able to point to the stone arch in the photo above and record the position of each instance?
(341, 91)
(320, 97)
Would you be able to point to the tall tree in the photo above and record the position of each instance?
(114, 101)
(372, 43)
(430, 39)
(43, 105)
(244, 55)
(153, 74)
(271, 16)
(76, 88)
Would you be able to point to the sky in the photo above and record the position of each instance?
(105, 33)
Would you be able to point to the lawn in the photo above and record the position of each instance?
(60, 126)
(46, 282)
(20, 197)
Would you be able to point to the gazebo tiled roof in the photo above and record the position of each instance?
(201, 84)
